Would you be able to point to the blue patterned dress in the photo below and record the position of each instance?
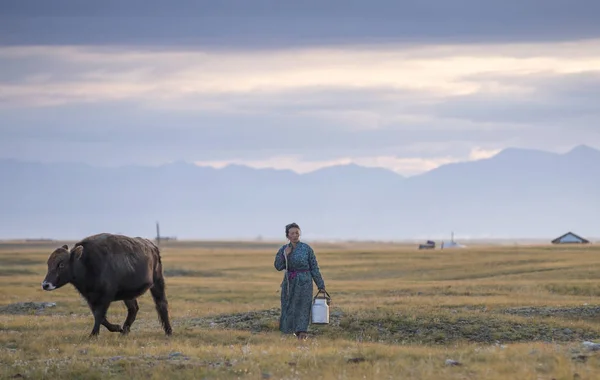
(296, 301)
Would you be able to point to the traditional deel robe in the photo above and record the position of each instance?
(296, 300)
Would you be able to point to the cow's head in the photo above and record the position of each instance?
(59, 271)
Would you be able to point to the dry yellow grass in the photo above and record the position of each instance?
(398, 313)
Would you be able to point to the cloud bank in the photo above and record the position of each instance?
(363, 93)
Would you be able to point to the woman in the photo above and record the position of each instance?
(296, 288)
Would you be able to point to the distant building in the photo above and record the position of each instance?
(429, 245)
(570, 238)
(451, 243)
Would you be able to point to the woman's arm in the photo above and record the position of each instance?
(314, 269)
(280, 259)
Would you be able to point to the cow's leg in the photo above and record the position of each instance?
(99, 309)
(112, 327)
(162, 306)
(132, 310)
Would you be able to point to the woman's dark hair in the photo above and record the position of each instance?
(289, 227)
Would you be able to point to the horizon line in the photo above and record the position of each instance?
(172, 239)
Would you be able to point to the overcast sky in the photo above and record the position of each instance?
(407, 85)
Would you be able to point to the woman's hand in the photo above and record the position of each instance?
(287, 250)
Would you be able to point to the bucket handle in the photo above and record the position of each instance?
(327, 296)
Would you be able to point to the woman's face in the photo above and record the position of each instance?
(294, 234)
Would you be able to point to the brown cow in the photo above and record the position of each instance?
(106, 268)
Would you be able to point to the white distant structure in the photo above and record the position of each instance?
(451, 243)
(570, 238)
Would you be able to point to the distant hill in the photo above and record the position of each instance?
(517, 193)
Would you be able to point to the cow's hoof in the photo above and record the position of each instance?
(125, 330)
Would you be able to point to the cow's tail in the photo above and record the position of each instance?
(158, 258)
(158, 292)
(160, 300)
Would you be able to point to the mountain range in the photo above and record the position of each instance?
(518, 193)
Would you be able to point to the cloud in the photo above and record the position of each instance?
(268, 23)
(405, 107)
(192, 78)
(480, 154)
(553, 99)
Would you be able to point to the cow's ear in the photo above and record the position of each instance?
(77, 252)
(66, 247)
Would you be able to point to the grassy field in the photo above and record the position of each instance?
(501, 312)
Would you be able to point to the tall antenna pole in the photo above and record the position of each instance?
(157, 234)
(452, 239)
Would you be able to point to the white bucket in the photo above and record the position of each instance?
(320, 310)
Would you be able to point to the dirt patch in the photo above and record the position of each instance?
(24, 308)
(443, 330)
(254, 321)
(405, 329)
(563, 312)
